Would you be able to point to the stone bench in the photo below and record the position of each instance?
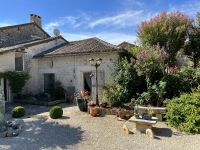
(140, 125)
(159, 111)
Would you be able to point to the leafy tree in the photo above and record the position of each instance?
(192, 48)
(149, 61)
(167, 30)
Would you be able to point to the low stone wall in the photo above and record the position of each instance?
(122, 113)
(43, 103)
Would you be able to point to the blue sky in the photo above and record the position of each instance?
(112, 20)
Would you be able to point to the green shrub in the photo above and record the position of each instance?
(115, 94)
(126, 83)
(56, 112)
(173, 85)
(183, 113)
(17, 80)
(183, 81)
(18, 111)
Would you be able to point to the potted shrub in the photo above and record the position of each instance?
(82, 99)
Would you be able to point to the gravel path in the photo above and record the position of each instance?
(79, 131)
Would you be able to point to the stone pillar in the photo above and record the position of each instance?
(2, 108)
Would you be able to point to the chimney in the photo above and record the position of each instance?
(36, 19)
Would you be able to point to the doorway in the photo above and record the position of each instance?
(49, 82)
(87, 84)
(5, 89)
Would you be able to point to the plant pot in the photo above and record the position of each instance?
(95, 111)
(147, 117)
(125, 114)
(122, 114)
(82, 104)
(136, 116)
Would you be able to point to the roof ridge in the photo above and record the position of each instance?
(105, 43)
(29, 44)
(97, 39)
(16, 25)
(25, 24)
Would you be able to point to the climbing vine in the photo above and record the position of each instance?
(16, 79)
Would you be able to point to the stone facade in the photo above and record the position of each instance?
(32, 65)
(14, 35)
(7, 61)
(69, 71)
(42, 54)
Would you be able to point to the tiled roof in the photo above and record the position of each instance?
(22, 33)
(29, 44)
(126, 45)
(90, 45)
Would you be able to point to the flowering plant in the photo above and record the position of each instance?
(150, 60)
(174, 69)
(83, 94)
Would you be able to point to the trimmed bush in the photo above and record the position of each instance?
(183, 113)
(56, 112)
(18, 111)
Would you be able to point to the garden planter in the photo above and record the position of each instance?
(146, 117)
(125, 114)
(82, 104)
(95, 111)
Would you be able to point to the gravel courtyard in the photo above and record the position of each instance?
(79, 131)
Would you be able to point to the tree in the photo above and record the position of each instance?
(192, 47)
(167, 30)
(149, 61)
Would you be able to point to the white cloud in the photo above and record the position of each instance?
(71, 20)
(84, 21)
(3, 24)
(131, 3)
(124, 19)
(190, 7)
(112, 37)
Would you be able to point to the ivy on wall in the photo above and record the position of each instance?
(17, 79)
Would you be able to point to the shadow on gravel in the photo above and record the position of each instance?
(33, 109)
(42, 134)
(163, 132)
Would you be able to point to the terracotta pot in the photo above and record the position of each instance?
(122, 114)
(95, 111)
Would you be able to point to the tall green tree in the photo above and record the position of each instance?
(192, 47)
(167, 30)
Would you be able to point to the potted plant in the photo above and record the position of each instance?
(149, 115)
(82, 99)
(136, 112)
(94, 110)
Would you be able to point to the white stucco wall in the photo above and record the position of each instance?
(7, 61)
(31, 65)
(69, 70)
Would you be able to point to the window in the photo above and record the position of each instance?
(19, 62)
(49, 82)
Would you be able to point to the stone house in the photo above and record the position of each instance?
(27, 47)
